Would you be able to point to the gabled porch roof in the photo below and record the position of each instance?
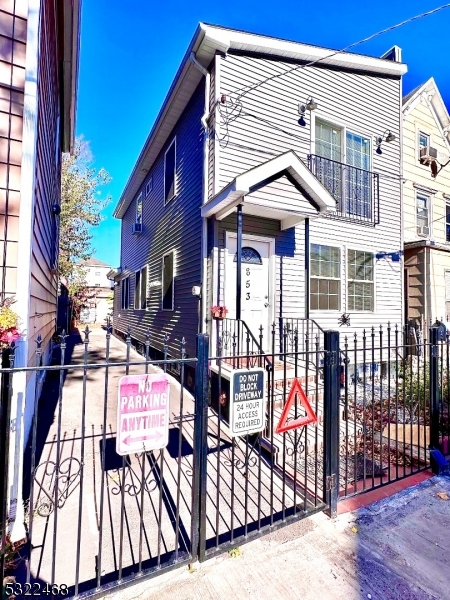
(316, 198)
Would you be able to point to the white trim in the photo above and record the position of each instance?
(166, 201)
(360, 248)
(272, 267)
(341, 278)
(173, 281)
(26, 239)
(429, 198)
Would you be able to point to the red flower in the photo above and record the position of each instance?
(9, 335)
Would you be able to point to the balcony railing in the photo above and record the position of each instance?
(356, 191)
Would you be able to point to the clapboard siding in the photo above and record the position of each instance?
(177, 226)
(47, 187)
(267, 126)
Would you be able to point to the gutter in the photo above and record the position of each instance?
(204, 250)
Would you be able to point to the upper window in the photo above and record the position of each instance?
(139, 209)
(168, 282)
(423, 214)
(328, 140)
(149, 186)
(447, 222)
(360, 280)
(424, 140)
(140, 289)
(125, 293)
(325, 282)
(170, 172)
(97, 273)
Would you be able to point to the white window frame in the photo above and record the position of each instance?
(173, 143)
(421, 133)
(343, 127)
(340, 279)
(348, 280)
(139, 273)
(125, 298)
(149, 186)
(173, 281)
(139, 200)
(429, 205)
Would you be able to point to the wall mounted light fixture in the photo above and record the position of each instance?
(387, 136)
(302, 108)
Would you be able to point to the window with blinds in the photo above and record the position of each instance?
(360, 281)
(325, 280)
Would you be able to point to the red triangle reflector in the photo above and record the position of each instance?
(311, 416)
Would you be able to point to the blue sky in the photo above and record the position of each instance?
(130, 52)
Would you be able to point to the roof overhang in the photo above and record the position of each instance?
(207, 41)
(236, 192)
(69, 17)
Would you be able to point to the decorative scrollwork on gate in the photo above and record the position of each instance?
(134, 487)
(56, 482)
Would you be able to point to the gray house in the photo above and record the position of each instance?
(267, 174)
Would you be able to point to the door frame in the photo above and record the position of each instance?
(272, 272)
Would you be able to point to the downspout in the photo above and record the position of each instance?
(204, 250)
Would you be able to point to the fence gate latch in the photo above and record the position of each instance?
(331, 482)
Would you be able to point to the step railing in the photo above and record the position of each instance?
(238, 346)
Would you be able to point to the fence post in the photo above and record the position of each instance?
(200, 454)
(331, 422)
(5, 417)
(434, 389)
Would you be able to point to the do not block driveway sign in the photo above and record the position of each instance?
(142, 413)
(247, 401)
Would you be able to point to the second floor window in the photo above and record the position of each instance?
(325, 280)
(139, 209)
(447, 222)
(423, 214)
(170, 160)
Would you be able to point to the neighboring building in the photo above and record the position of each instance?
(38, 79)
(426, 206)
(319, 187)
(100, 291)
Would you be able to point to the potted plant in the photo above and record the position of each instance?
(219, 312)
(9, 323)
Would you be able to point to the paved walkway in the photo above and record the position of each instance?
(397, 548)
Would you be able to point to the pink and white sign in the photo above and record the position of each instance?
(143, 413)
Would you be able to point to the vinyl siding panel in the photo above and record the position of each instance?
(176, 226)
(47, 188)
(267, 126)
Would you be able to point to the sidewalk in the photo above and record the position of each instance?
(397, 548)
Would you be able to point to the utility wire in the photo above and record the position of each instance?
(246, 89)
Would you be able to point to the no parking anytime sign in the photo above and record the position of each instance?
(142, 413)
(247, 405)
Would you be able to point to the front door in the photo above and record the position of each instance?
(256, 301)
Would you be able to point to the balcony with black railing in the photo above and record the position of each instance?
(356, 191)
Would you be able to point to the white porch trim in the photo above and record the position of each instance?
(223, 203)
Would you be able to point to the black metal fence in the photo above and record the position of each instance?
(340, 416)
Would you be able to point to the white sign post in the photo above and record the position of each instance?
(142, 413)
(247, 401)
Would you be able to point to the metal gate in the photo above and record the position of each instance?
(96, 520)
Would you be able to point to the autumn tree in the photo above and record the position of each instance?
(81, 206)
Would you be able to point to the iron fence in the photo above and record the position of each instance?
(356, 191)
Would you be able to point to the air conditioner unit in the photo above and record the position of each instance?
(428, 154)
(423, 231)
(136, 228)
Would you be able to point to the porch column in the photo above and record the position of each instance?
(239, 261)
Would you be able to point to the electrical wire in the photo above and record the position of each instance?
(246, 89)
